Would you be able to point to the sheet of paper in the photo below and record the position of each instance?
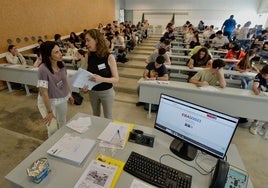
(140, 184)
(81, 78)
(80, 125)
(114, 136)
(209, 88)
(264, 94)
(98, 175)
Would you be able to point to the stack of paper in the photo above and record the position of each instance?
(71, 148)
(115, 162)
(98, 174)
(115, 135)
(80, 125)
(81, 78)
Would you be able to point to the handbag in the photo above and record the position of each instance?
(78, 99)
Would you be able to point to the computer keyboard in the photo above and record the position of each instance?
(156, 173)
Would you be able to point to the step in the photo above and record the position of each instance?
(129, 98)
(144, 48)
(129, 72)
(133, 64)
(134, 57)
(141, 52)
(149, 44)
(127, 85)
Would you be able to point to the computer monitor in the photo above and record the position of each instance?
(194, 127)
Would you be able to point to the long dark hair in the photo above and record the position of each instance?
(206, 57)
(46, 49)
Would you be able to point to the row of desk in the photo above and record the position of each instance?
(233, 101)
(180, 68)
(25, 74)
(173, 57)
(66, 175)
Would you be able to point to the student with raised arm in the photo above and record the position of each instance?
(13, 56)
(213, 76)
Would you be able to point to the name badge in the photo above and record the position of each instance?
(101, 66)
(60, 84)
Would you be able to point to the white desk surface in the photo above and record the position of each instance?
(195, 69)
(188, 57)
(190, 49)
(66, 175)
(25, 74)
(233, 101)
(64, 58)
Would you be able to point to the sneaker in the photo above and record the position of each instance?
(263, 131)
(254, 127)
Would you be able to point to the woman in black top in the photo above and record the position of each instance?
(103, 65)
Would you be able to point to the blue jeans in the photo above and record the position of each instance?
(246, 82)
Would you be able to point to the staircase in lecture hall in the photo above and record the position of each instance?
(131, 71)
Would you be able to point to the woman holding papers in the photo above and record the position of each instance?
(103, 66)
(54, 90)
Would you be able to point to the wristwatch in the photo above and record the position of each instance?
(49, 111)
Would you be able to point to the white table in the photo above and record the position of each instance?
(180, 68)
(232, 101)
(188, 57)
(24, 74)
(66, 175)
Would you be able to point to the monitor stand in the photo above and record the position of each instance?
(183, 150)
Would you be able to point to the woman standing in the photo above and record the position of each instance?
(103, 65)
(54, 90)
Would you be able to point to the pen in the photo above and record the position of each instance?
(118, 132)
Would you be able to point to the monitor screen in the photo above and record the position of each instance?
(194, 127)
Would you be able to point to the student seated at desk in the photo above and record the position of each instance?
(72, 50)
(81, 59)
(260, 85)
(264, 51)
(219, 41)
(212, 76)
(235, 53)
(244, 66)
(57, 38)
(13, 56)
(38, 60)
(155, 70)
(164, 44)
(36, 50)
(161, 52)
(201, 58)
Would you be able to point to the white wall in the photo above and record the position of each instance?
(210, 11)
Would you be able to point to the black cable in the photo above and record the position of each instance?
(204, 174)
